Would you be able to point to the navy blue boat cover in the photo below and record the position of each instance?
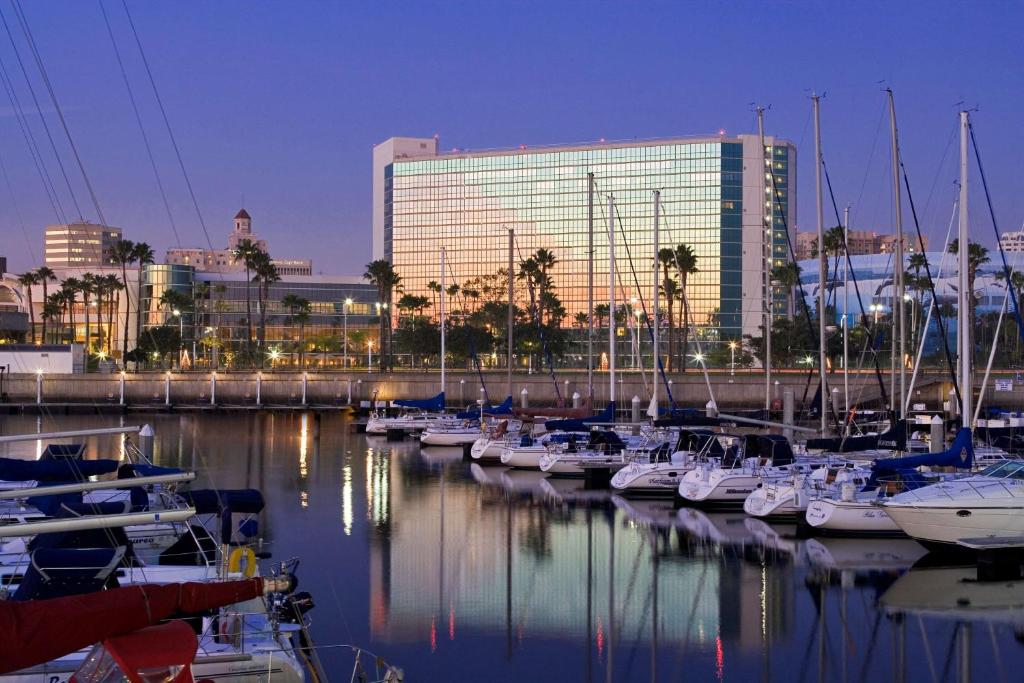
(435, 404)
(894, 439)
(12, 469)
(582, 424)
(144, 470)
(58, 572)
(211, 501)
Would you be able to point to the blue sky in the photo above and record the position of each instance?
(278, 104)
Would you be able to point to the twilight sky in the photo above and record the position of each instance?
(277, 104)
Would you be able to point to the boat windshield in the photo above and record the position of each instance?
(1007, 469)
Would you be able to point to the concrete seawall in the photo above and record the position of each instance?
(745, 390)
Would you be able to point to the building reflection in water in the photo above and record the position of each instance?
(500, 559)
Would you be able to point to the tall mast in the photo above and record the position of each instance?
(900, 308)
(766, 253)
(656, 355)
(511, 304)
(443, 294)
(846, 313)
(590, 287)
(963, 322)
(822, 265)
(611, 298)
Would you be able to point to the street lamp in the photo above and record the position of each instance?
(181, 333)
(732, 358)
(344, 315)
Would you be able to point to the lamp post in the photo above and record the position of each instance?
(181, 333)
(732, 358)
(344, 315)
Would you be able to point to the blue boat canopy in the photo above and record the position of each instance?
(435, 404)
(132, 470)
(51, 470)
(959, 454)
(582, 424)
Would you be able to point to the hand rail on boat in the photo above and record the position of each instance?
(131, 483)
(45, 526)
(11, 438)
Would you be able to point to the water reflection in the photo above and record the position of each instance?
(456, 570)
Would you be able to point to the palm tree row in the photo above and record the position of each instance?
(261, 271)
(683, 262)
(99, 292)
(124, 254)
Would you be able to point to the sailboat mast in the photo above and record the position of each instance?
(656, 355)
(511, 303)
(963, 322)
(590, 287)
(899, 310)
(846, 318)
(822, 266)
(766, 253)
(444, 292)
(611, 298)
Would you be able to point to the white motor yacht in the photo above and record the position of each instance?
(988, 505)
(728, 482)
(661, 475)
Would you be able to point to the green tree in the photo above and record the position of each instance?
(52, 309)
(70, 288)
(264, 274)
(46, 276)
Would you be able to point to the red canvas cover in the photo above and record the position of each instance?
(166, 645)
(37, 631)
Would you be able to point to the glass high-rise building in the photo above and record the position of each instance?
(723, 196)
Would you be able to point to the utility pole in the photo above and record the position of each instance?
(655, 353)
(611, 298)
(443, 294)
(846, 318)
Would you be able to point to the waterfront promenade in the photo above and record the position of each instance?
(267, 389)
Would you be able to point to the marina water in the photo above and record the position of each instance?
(455, 571)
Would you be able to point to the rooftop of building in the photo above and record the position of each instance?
(214, 276)
(243, 214)
(456, 153)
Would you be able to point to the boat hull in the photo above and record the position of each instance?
(650, 480)
(849, 518)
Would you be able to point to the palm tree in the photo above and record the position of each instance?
(265, 274)
(546, 260)
(123, 254)
(977, 255)
(46, 276)
(600, 315)
(686, 265)
(299, 311)
(382, 274)
(452, 292)
(87, 288)
(51, 309)
(787, 276)
(435, 289)
(142, 255)
(529, 271)
(70, 288)
(670, 288)
(27, 280)
(245, 251)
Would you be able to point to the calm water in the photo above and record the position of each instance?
(457, 572)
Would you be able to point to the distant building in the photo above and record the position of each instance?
(223, 260)
(1012, 241)
(3, 265)
(860, 243)
(79, 245)
(219, 318)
